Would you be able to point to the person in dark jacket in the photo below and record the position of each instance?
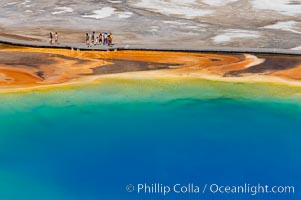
(93, 38)
(50, 38)
(87, 40)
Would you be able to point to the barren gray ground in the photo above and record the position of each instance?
(233, 23)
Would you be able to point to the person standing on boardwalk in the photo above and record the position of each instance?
(105, 38)
(87, 40)
(110, 39)
(50, 38)
(100, 38)
(56, 39)
(93, 38)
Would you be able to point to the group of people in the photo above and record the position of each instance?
(54, 38)
(91, 40)
(101, 39)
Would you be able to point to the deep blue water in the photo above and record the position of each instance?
(54, 146)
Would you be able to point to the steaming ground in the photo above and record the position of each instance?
(241, 23)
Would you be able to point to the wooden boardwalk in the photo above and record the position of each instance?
(117, 47)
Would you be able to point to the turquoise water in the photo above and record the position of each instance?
(90, 142)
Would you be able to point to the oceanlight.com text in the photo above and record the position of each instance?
(194, 189)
